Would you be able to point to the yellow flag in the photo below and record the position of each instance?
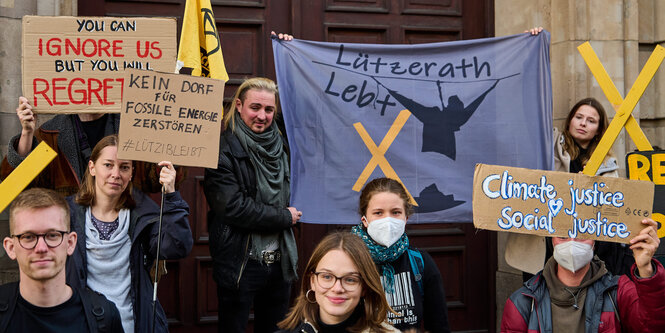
(200, 50)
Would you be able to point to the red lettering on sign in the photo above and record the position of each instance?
(79, 91)
(89, 47)
(83, 92)
(117, 48)
(40, 92)
(55, 90)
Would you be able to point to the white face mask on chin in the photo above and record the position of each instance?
(386, 231)
(573, 255)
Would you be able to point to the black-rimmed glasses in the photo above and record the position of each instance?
(29, 240)
(326, 280)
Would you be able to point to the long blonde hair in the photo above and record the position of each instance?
(257, 83)
(375, 305)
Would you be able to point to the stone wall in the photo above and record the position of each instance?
(623, 33)
(11, 12)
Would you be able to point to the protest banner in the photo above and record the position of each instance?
(649, 166)
(76, 64)
(422, 114)
(170, 117)
(559, 204)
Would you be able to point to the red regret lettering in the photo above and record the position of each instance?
(83, 92)
(94, 91)
(79, 91)
(56, 88)
(43, 92)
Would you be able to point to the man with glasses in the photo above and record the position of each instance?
(40, 241)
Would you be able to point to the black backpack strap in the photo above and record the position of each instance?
(8, 298)
(94, 305)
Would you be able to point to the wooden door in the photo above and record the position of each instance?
(466, 257)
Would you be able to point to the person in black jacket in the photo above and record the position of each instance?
(118, 227)
(250, 222)
(411, 280)
(41, 241)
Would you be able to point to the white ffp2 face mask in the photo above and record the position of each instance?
(386, 231)
(573, 255)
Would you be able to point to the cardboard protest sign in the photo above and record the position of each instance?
(76, 64)
(170, 117)
(551, 203)
(648, 165)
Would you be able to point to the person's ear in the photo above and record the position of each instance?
(238, 104)
(364, 221)
(8, 244)
(312, 279)
(91, 168)
(71, 242)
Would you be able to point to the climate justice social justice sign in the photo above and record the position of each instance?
(551, 203)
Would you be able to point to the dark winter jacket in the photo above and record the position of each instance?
(612, 304)
(413, 305)
(176, 243)
(234, 213)
(65, 172)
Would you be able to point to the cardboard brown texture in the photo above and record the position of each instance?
(541, 203)
(76, 64)
(171, 117)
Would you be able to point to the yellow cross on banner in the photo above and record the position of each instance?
(378, 158)
(623, 107)
(40, 157)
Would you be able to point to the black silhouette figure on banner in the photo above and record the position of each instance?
(432, 200)
(439, 126)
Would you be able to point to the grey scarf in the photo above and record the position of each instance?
(270, 162)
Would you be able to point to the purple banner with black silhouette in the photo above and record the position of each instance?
(475, 101)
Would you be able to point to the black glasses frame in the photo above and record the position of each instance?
(21, 240)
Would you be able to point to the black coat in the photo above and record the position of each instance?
(234, 213)
(176, 243)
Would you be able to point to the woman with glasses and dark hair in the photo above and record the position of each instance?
(340, 292)
(117, 228)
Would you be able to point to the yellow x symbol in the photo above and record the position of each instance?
(31, 166)
(378, 158)
(623, 107)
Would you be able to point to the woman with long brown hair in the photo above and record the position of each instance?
(584, 127)
(341, 290)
